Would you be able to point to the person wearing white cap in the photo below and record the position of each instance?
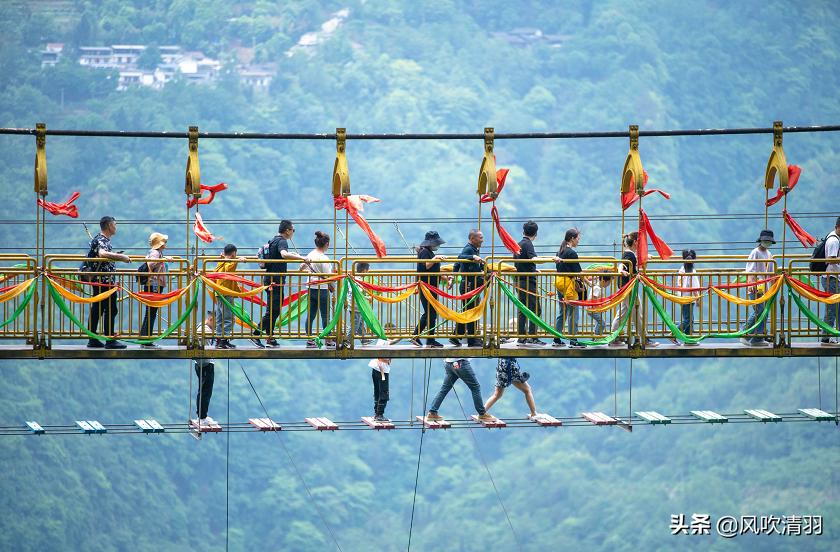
(152, 278)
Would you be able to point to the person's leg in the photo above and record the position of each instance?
(685, 322)
(571, 313)
(424, 317)
(376, 378)
(529, 396)
(561, 316)
(358, 324)
(534, 304)
(521, 320)
(448, 381)
(465, 372)
(497, 394)
(150, 316)
(312, 311)
(598, 318)
(218, 315)
(227, 320)
(324, 300)
(110, 315)
(95, 309)
(206, 374)
(383, 395)
(752, 316)
(831, 311)
(432, 319)
(275, 300)
(619, 315)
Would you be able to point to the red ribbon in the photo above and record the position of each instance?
(793, 177)
(231, 277)
(508, 241)
(465, 296)
(795, 282)
(645, 231)
(353, 204)
(383, 289)
(66, 208)
(631, 197)
(206, 199)
(806, 239)
(501, 176)
(202, 232)
(601, 301)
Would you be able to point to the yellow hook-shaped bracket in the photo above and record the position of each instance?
(487, 173)
(777, 164)
(633, 165)
(341, 173)
(41, 159)
(192, 184)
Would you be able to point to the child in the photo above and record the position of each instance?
(688, 279)
(380, 370)
(223, 315)
(600, 285)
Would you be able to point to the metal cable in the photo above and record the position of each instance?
(426, 379)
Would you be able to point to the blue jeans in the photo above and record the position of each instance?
(757, 310)
(568, 317)
(224, 319)
(687, 322)
(454, 370)
(832, 312)
(598, 317)
(319, 302)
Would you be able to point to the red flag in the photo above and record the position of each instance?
(645, 231)
(202, 232)
(354, 205)
(793, 177)
(806, 239)
(66, 208)
(501, 176)
(507, 239)
(631, 197)
(205, 199)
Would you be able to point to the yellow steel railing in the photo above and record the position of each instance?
(15, 270)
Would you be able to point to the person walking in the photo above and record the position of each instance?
(429, 271)
(527, 284)
(760, 261)
(380, 374)
(631, 246)
(275, 255)
(469, 263)
(831, 281)
(688, 280)
(508, 373)
(101, 281)
(155, 282)
(458, 368)
(569, 287)
(223, 315)
(319, 293)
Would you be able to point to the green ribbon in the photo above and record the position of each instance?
(342, 297)
(26, 298)
(810, 315)
(366, 310)
(62, 306)
(295, 309)
(679, 334)
(530, 315)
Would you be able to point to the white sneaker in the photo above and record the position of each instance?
(745, 342)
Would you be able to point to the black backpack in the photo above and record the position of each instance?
(817, 265)
(143, 274)
(88, 266)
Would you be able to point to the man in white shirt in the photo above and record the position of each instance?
(831, 280)
(759, 262)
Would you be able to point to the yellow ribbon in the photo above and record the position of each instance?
(749, 302)
(398, 299)
(230, 293)
(469, 315)
(15, 291)
(670, 296)
(161, 302)
(72, 297)
(830, 300)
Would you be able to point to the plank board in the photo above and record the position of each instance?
(155, 426)
(144, 426)
(817, 414)
(321, 423)
(652, 417)
(97, 427)
(264, 424)
(546, 421)
(212, 427)
(84, 426)
(434, 424)
(599, 418)
(495, 422)
(35, 428)
(709, 416)
(763, 415)
(378, 425)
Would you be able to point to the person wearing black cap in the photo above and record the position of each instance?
(429, 274)
(759, 261)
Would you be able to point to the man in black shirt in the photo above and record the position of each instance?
(469, 261)
(278, 249)
(428, 320)
(528, 284)
(102, 281)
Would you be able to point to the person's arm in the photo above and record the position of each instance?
(292, 255)
(102, 253)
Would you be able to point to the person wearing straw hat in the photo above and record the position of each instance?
(152, 273)
(759, 261)
(426, 264)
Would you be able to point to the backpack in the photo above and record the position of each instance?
(262, 252)
(819, 253)
(143, 274)
(87, 266)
